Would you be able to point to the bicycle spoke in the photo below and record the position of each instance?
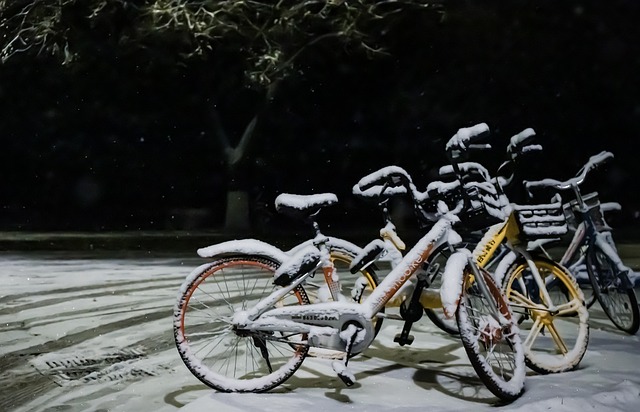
(569, 308)
(533, 334)
(562, 346)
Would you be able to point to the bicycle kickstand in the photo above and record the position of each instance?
(411, 311)
(349, 335)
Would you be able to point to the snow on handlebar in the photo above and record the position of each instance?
(394, 180)
(593, 162)
(463, 138)
(520, 139)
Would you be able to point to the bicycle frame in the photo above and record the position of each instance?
(587, 234)
(285, 316)
(509, 231)
(328, 318)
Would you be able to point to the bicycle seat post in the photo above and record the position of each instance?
(319, 238)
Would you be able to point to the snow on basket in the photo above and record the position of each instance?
(541, 221)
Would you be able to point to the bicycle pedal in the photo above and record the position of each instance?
(344, 373)
(402, 340)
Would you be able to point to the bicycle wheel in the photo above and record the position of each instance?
(221, 357)
(493, 345)
(578, 268)
(435, 268)
(616, 296)
(555, 332)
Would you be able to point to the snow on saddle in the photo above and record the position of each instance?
(304, 205)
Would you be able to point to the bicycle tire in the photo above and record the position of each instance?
(218, 356)
(435, 269)
(619, 302)
(578, 268)
(494, 348)
(564, 346)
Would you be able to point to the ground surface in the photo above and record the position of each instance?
(92, 332)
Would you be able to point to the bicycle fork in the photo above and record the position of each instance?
(622, 271)
(484, 289)
(540, 283)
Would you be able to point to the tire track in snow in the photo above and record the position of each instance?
(99, 304)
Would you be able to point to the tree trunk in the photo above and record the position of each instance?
(237, 217)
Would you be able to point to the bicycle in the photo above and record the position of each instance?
(574, 257)
(543, 294)
(390, 247)
(229, 259)
(592, 243)
(274, 329)
(519, 144)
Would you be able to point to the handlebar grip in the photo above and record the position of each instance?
(467, 135)
(533, 184)
(531, 148)
(600, 159)
(521, 139)
(391, 176)
(483, 146)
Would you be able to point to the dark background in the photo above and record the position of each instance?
(118, 143)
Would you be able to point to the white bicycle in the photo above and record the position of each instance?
(249, 334)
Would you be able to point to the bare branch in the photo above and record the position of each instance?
(271, 34)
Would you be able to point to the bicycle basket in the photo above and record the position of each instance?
(541, 221)
(483, 208)
(573, 212)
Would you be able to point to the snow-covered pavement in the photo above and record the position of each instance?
(93, 333)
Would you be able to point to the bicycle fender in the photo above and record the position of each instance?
(605, 244)
(243, 247)
(304, 261)
(368, 255)
(452, 279)
(334, 242)
(503, 266)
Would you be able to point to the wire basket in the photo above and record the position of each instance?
(541, 221)
(574, 216)
(483, 208)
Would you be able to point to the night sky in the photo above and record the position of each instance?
(121, 144)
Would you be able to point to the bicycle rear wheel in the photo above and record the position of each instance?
(223, 358)
(615, 294)
(493, 345)
(556, 332)
(578, 268)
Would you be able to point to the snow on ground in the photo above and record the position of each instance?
(93, 333)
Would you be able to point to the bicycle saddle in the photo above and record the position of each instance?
(304, 205)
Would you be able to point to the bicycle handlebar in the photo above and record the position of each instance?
(466, 168)
(593, 162)
(464, 138)
(520, 140)
(392, 178)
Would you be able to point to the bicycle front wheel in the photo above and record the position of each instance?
(615, 294)
(555, 324)
(491, 342)
(223, 358)
(435, 269)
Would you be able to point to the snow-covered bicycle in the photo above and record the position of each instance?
(545, 297)
(592, 243)
(390, 246)
(519, 144)
(241, 334)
